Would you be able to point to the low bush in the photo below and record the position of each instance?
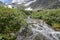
(51, 17)
(11, 20)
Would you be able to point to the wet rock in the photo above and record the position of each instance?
(37, 30)
(26, 32)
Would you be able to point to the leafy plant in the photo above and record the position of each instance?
(51, 17)
(11, 20)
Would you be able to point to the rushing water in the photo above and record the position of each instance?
(37, 30)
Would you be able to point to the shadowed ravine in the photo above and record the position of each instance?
(37, 30)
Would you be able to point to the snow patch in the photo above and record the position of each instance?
(29, 9)
(29, 3)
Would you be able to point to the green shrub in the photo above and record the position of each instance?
(49, 16)
(11, 20)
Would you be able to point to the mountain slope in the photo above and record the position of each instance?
(39, 4)
(20, 1)
(36, 4)
(42, 4)
(1, 3)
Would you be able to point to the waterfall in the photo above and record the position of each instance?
(37, 30)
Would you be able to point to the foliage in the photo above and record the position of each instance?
(11, 20)
(51, 17)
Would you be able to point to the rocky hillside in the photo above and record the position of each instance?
(40, 4)
(1, 3)
(36, 4)
(43, 4)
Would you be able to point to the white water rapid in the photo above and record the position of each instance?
(37, 30)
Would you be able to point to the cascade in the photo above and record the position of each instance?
(37, 30)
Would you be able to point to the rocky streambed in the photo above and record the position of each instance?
(37, 30)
